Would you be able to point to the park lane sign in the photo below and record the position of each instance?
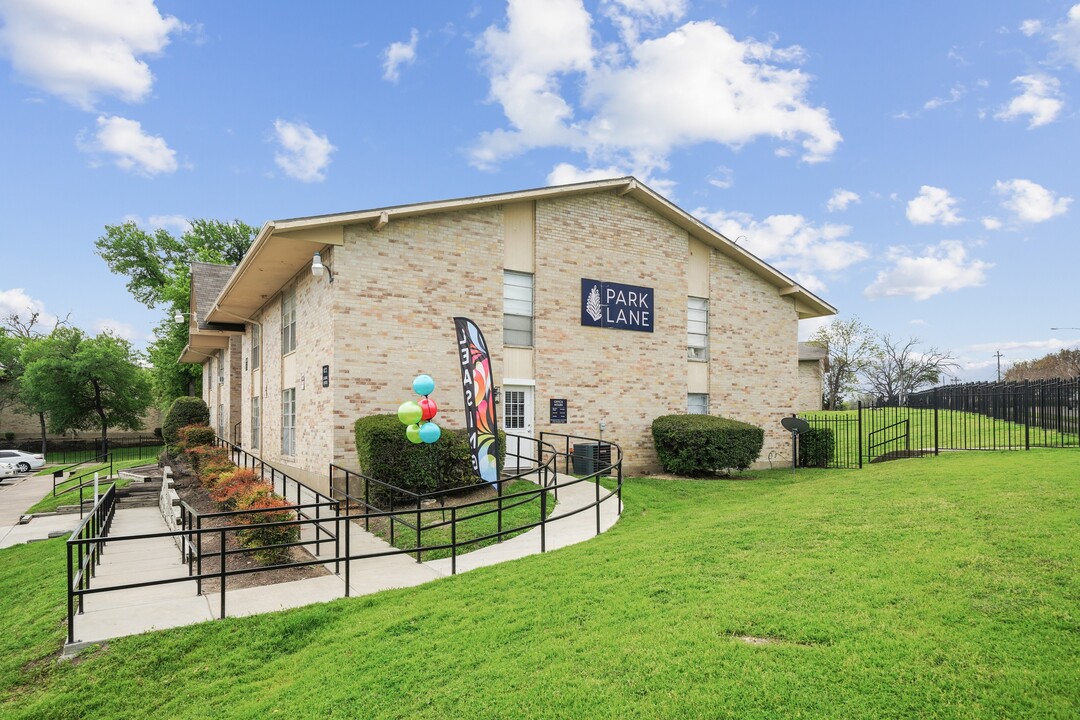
(614, 305)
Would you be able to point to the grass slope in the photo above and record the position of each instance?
(935, 587)
(68, 495)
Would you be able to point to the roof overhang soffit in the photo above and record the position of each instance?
(274, 258)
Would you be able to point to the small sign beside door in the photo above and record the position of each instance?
(558, 410)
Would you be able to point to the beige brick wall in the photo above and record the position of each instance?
(27, 426)
(620, 377)
(753, 348)
(388, 317)
(396, 293)
(808, 396)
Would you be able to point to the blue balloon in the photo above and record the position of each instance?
(430, 432)
(423, 385)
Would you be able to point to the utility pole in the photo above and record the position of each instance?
(998, 356)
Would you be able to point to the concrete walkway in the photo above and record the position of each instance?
(129, 612)
(19, 494)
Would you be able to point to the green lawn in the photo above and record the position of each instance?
(67, 495)
(936, 587)
(472, 523)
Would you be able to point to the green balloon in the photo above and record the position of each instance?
(413, 433)
(409, 413)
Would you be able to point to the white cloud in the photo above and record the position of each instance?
(1066, 36)
(991, 223)
(398, 54)
(841, 199)
(1044, 346)
(723, 178)
(808, 327)
(1031, 202)
(16, 301)
(955, 94)
(791, 243)
(1040, 100)
(941, 267)
(567, 174)
(83, 50)
(303, 154)
(1031, 27)
(632, 17)
(933, 205)
(132, 149)
(115, 327)
(639, 100)
(918, 321)
(178, 223)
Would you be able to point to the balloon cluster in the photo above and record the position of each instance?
(416, 416)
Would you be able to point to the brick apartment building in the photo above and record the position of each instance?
(602, 296)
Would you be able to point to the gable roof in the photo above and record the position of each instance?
(206, 337)
(283, 247)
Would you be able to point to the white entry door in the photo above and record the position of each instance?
(517, 419)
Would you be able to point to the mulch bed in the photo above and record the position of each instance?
(192, 492)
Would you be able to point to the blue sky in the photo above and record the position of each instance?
(915, 164)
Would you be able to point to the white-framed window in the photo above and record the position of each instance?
(517, 308)
(221, 420)
(256, 422)
(697, 403)
(697, 328)
(288, 422)
(288, 321)
(256, 346)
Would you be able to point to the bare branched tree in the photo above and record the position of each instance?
(899, 368)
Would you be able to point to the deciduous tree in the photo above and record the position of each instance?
(850, 345)
(158, 268)
(898, 368)
(82, 382)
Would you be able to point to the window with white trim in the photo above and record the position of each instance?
(288, 321)
(697, 403)
(256, 346)
(221, 420)
(697, 328)
(517, 308)
(288, 422)
(256, 422)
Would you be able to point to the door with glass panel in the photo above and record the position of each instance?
(517, 420)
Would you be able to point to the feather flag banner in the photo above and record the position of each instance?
(476, 384)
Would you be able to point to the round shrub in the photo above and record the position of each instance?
(817, 447)
(185, 410)
(192, 436)
(386, 455)
(697, 444)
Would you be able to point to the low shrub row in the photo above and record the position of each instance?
(241, 489)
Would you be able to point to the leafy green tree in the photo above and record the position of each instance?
(17, 332)
(158, 267)
(82, 382)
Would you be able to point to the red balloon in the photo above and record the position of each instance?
(428, 408)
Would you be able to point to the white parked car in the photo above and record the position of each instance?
(8, 470)
(23, 461)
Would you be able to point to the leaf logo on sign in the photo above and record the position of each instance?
(592, 305)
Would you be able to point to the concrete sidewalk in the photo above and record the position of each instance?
(129, 612)
(19, 494)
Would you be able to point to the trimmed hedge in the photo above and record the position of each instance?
(817, 447)
(185, 410)
(385, 454)
(697, 444)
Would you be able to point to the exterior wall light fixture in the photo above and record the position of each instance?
(317, 268)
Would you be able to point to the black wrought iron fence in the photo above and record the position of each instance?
(969, 416)
(67, 451)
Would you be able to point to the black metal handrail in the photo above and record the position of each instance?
(58, 475)
(873, 446)
(85, 547)
(90, 545)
